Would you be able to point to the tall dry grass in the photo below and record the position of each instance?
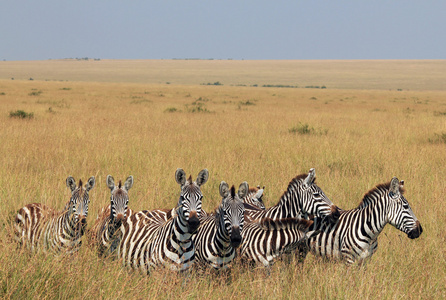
(355, 139)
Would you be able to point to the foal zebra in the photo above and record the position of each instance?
(40, 227)
(355, 236)
(105, 232)
(149, 242)
(219, 235)
(302, 198)
(265, 239)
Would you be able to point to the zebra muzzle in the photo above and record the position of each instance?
(334, 215)
(416, 232)
(193, 221)
(236, 237)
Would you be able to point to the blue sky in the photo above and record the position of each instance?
(40, 30)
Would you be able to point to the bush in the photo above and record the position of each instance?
(21, 114)
(306, 129)
(170, 109)
(439, 138)
(35, 93)
(302, 129)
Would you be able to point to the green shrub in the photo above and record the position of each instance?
(439, 138)
(21, 114)
(35, 93)
(170, 109)
(307, 129)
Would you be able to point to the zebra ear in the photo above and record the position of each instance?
(310, 178)
(128, 183)
(180, 176)
(259, 193)
(203, 177)
(224, 189)
(71, 183)
(110, 182)
(243, 190)
(90, 183)
(394, 190)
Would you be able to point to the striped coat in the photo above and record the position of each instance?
(354, 238)
(266, 239)
(105, 233)
(219, 235)
(39, 227)
(302, 198)
(164, 237)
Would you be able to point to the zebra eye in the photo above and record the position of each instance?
(316, 194)
(406, 206)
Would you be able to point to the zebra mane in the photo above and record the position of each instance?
(80, 183)
(379, 189)
(190, 179)
(296, 180)
(232, 191)
(218, 210)
(119, 184)
(285, 223)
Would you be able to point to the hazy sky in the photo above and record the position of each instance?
(291, 29)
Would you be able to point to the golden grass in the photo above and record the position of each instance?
(334, 74)
(359, 138)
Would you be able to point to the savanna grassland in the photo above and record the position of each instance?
(367, 125)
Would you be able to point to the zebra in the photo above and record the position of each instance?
(301, 199)
(265, 239)
(159, 240)
(354, 238)
(219, 235)
(105, 232)
(39, 227)
(255, 197)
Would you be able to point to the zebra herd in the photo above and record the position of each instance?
(304, 220)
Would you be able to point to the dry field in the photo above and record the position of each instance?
(356, 134)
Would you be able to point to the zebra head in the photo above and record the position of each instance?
(231, 211)
(189, 204)
(119, 198)
(399, 212)
(255, 197)
(314, 200)
(78, 205)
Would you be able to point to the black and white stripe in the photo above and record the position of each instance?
(266, 239)
(255, 197)
(219, 234)
(301, 199)
(149, 240)
(106, 231)
(39, 227)
(355, 235)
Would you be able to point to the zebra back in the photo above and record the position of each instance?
(219, 235)
(37, 226)
(354, 238)
(266, 239)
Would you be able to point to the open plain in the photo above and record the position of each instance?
(358, 123)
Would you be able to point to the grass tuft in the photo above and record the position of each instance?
(21, 114)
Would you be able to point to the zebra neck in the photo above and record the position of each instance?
(221, 238)
(69, 228)
(181, 235)
(289, 205)
(374, 216)
(112, 226)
